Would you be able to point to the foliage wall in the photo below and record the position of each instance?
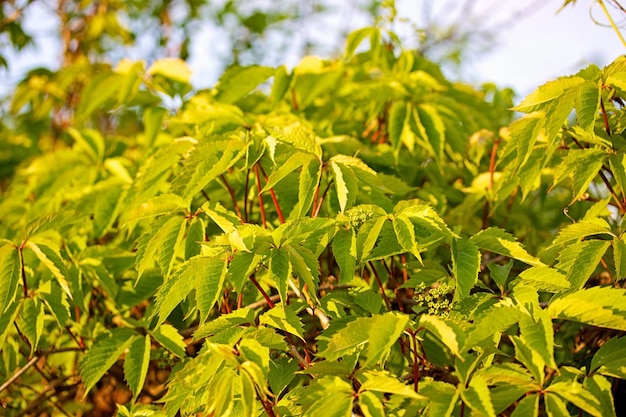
(360, 236)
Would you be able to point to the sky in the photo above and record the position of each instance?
(534, 44)
(545, 44)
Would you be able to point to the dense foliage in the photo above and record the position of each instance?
(358, 236)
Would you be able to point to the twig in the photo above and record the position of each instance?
(245, 195)
(321, 200)
(19, 372)
(380, 284)
(23, 269)
(233, 197)
(273, 195)
(267, 298)
(258, 186)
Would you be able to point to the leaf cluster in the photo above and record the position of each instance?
(360, 236)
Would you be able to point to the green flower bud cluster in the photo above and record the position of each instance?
(359, 215)
(437, 299)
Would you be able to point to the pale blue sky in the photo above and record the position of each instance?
(542, 45)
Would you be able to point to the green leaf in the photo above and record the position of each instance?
(172, 69)
(282, 80)
(284, 319)
(10, 272)
(492, 321)
(136, 363)
(155, 206)
(368, 235)
(100, 89)
(580, 260)
(7, 319)
(331, 394)
(577, 395)
(242, 265)
(367, 299)
(225, 219)
(282, 372)
(530, 358)
(617, 163)
(280, 271)
(355, 38)
(169, 338)
(465, 266)
(305, 265)
(210, 159)
(55, 299)
(195, 237)
(547, 93)
(446, 331)
(503, 396)
(610, 359)
(542, 278)
(619, 253)
(182, 281)
(434, 129)
(152, 120)
(527, 407)
(498, 241)
(209, 285)
(510, 374)
(31, 321)
(239, 317)
(160, 244)
(105, 351)
(538, 332)
(295, 161)
(581, 229)
(386, 383)
(405, 234)
(601, 389)
(236, 82)
(397, 120)
(48, 253)
(381, 331)
(384, 331)
(500, 273)
(308, 180)
(555, 406)
(596, 306)
(51, 221)
(443, 398)
(371, 405)
(588, 105)
(345, 184)
(91, 141)
(478, 397)
(344, 251)
(583, 165)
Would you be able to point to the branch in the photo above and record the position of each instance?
(19, 372)
(233, 197)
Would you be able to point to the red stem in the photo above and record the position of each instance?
(258, 186)
(319, 205)
(605, 119)
(23, 270)
(380, 284)
(492, 161)
(245, 195)
(232, 197)
(416, 369)
(267, 298)
(274, 199)
(294, 99)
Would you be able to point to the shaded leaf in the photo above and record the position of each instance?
(136, 363)
(105, 351)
